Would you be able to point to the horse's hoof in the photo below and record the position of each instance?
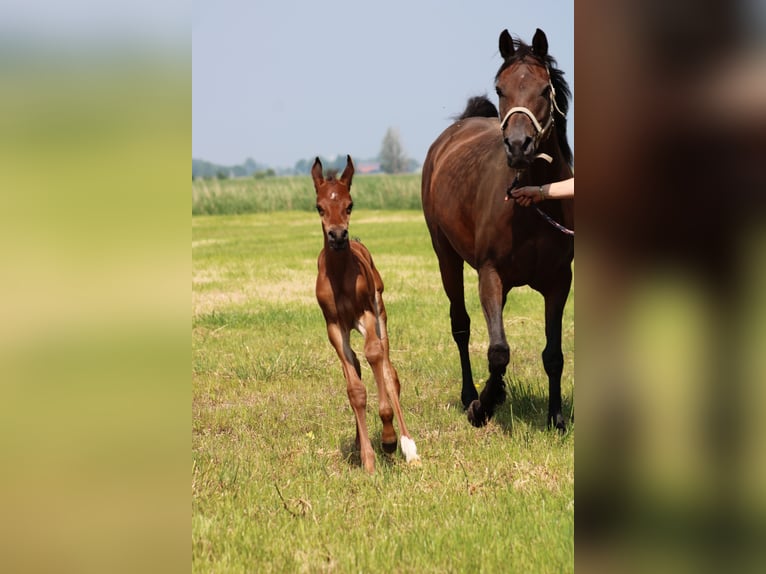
(559, 423)
(476, 415)
(389, 447)
(468, 398)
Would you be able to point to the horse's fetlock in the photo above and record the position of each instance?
(498, 355)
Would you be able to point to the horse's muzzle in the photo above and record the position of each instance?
(519, 152)
(337, 239)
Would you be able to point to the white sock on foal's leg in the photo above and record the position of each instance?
(409, 449)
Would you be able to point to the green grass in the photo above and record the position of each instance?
(250, 195)
(276, 484)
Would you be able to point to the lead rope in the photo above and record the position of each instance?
(547, 217)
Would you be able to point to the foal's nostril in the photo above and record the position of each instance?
(338, 235)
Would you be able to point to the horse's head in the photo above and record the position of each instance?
(334, 203)
(527, 97)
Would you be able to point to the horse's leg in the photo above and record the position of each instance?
(376, 328)
(357, 394)
(553, 358)
(492, 299)
(451, 268)
(387, 380)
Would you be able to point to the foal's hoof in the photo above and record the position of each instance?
(389, 447)
(476, 414)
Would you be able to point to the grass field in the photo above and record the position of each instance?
(250, 195)
(276, 486)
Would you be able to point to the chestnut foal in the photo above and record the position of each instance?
(349, 291)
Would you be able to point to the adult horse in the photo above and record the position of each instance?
(467, 175)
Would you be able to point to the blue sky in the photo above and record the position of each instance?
(282, 81)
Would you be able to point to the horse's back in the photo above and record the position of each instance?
(475, 137)
(465, 171)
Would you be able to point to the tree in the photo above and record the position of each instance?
(392, 158)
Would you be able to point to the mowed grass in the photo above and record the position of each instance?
(276, 484)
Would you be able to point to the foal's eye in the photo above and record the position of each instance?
(320, 211)
(349, 208)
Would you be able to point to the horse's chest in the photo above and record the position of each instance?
(349, 297)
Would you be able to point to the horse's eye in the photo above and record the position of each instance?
(499, 92)
(349, 208)
(320, 211)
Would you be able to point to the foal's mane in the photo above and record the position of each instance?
(483, 107)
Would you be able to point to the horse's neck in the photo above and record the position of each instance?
(542, 172)
(337, 262)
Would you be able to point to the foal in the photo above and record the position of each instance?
(349, 291)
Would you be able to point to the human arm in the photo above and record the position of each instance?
(530, 194)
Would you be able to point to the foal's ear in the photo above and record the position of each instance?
(316, 173)
(506, 45)
(540, 43)
(348, 173)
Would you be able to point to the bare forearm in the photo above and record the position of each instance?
(536, 193)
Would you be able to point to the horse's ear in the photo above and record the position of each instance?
(506, 45)
(316, 173)
(540, 43)
(348, 173)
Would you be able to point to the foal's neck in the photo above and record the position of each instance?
(337, 259)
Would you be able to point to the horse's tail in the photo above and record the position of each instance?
(479, 107)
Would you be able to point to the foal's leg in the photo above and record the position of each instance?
(451, 268)
(374, 332)
(498, 355)
(553, 358)
(377, 353)
(357, 394)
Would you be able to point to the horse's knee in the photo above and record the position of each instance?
(498, 355)
(373, 352)
(357, 396)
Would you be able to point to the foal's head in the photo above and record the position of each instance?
(334, 203)
(532, 94)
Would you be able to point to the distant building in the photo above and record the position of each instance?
(367, 167)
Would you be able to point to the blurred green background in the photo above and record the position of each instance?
(95, 137)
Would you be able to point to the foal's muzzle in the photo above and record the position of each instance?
(337, 238)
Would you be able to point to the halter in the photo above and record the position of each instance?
(540, 131)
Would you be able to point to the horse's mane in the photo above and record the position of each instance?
(478, 107)
(563, 93)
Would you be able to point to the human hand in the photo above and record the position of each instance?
(526, 196)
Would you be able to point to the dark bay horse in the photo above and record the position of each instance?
(350, 292)
(467, 175)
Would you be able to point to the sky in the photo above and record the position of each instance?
(73, 21)
(289, 80)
